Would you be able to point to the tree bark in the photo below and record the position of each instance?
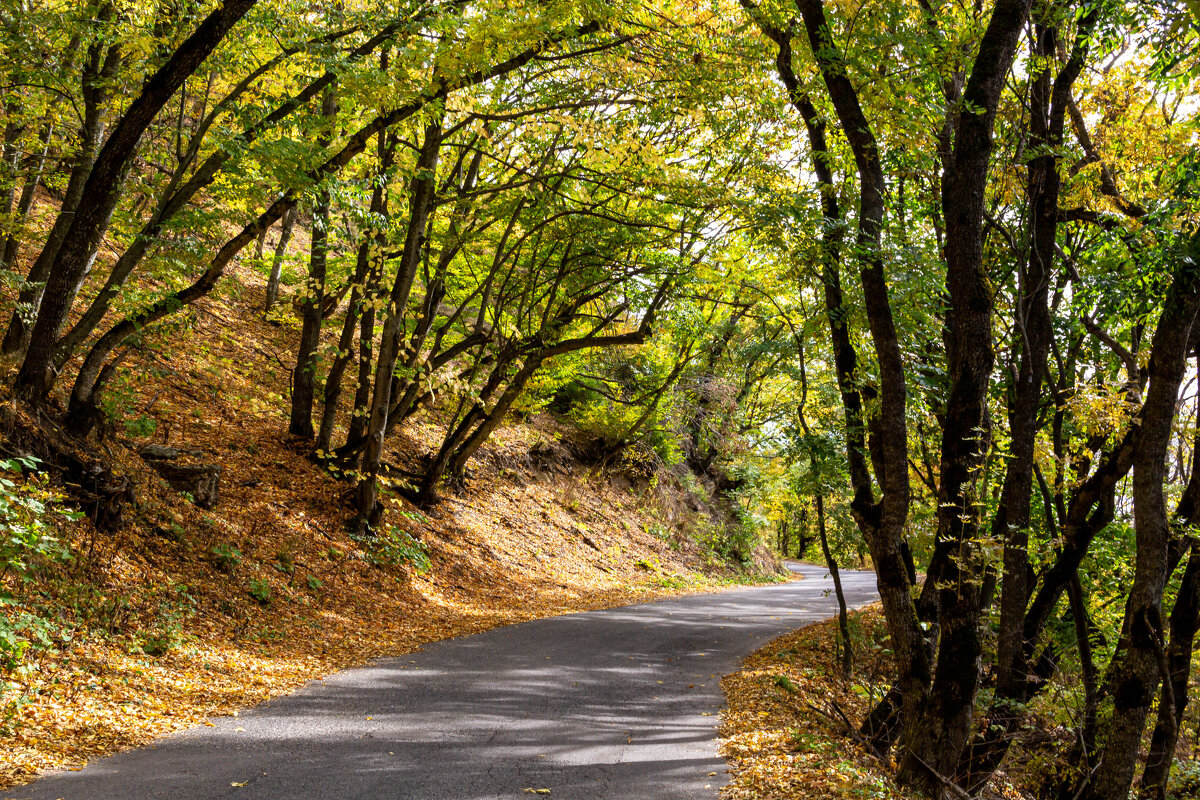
(304, 377)
(37, 164)
(936, 737)
(421, 198)
(883, 523)
(96, 72)
(285, 236)
(101, 191)
(1173, 699)
(368, 267)
(1049, 97)
(1137, 674)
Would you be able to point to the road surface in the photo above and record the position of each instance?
(620, 704)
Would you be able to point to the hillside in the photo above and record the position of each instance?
(183, 613)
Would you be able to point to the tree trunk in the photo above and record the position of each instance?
(285, 235)
(101, 191)
(883, 523)
(1136, 675)
(936, 738)
(1173, 699)
(367, 273)
(37, 165)
(345, 351)
(304, 377)
(847, 654)
(1049, 97)
(421, 194)
(95, 101)
(435, 471)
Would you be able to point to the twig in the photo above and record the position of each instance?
(947, 783)
(851, 730)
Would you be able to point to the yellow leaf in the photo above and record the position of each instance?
(238, 785)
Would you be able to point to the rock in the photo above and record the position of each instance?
(159, 451)
(201, 481)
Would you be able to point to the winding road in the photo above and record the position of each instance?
(620, 704)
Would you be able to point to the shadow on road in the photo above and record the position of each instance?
(609, 704)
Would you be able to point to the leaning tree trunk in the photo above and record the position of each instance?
(427, 489)
(101, 192)
(882, 522)
(95, 101)
(368, 268)
(422, 194)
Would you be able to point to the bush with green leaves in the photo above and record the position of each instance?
(394, 547)
(1185, 780)
(260, 590)
(28, 511)
(27, 508)
(226, 556)
(166, 630)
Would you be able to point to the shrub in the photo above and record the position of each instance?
(27, 541)
(167, 631)
(1185, 780)
(260, 590)
(226, 557)
(26, 509)
(392, 547)
(285, 562)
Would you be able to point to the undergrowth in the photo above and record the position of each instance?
(790, 729)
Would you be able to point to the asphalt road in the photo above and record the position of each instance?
(620, 704)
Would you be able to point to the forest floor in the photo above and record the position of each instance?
(790, 728)
(784, 732)
(184, 614)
